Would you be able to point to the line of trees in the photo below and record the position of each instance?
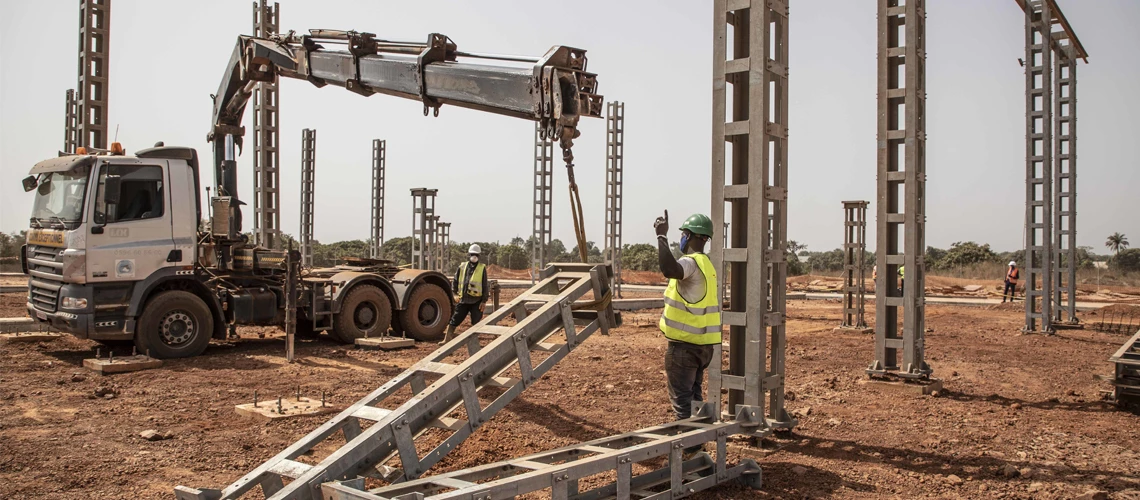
(516, 254)
(964, 254)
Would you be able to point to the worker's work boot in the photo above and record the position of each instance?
(448, 336)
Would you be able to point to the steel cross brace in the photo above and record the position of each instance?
(559, 470)
(395, 433)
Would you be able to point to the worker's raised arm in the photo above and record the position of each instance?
(669, 266)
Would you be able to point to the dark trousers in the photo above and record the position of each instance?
(461, 311)
(1010, 288)
(685, 366)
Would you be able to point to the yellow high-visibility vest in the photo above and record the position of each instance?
(473, 284)
(693, 322)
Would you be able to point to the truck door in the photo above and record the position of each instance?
(130, 237)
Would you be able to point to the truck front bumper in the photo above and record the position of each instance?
(81, 325)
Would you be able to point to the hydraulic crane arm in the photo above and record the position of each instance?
(554, 90)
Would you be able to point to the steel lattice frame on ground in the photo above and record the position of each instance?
(308, 175)
(542, 201)
(901, 202)
(556, 472)
(753, 180)
(70, 126)
(444, 250)
(1126, 371)
(1038, 168)
(1065, 185)
(452, 392)
(615, 159)
(854, 263)
(379, 162)
(423, 208)
(266, 140)
(94, 72)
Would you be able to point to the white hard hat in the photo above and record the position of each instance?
(475, 249)
(1012, 263)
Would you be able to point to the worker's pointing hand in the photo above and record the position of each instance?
(661, 225)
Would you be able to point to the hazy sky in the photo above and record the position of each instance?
(167, 57)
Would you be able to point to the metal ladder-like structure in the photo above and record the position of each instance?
(557, 472)
(452, 393)
(321, 303)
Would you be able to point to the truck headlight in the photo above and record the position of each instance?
(73, 303)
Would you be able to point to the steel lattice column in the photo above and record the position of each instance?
(308, 173)
(70, 132)
(379, 161)
(1065, 185)
(444, 238)
(543, 197)
(854, 263)
(615, 159)
(266, 140)
(750, 174)
(432, 242)
(1038, 167)
(423, 209)
(901, 205)
(94, 72)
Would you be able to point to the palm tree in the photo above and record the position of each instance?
(1116, 242)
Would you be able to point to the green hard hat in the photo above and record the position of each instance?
(699, 224)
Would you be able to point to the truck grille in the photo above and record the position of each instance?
(46, 269)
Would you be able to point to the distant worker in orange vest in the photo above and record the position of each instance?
(1011, 277)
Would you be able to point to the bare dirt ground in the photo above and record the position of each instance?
(1021, 415)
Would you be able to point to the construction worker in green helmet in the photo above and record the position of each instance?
(691, 320)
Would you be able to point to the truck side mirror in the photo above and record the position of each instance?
(112, 187)
(29, 183)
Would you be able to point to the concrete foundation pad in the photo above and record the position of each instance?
(290, 407)
(796, 296)
(384, 343)
(121, 364)
(29, 336)
(917, 387)
(848, 329)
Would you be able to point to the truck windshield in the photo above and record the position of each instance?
(60, 197)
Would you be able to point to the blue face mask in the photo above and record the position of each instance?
(684, 241)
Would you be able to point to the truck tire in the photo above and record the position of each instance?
(365, 312)
(174, 324)
(427, 313)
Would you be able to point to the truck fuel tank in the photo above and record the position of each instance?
(253, 306)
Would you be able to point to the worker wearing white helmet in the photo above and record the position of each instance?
(470, 291)
(1011, 277)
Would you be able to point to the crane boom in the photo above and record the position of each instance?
(554, 90)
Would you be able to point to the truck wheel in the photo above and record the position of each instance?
(365, 312)
(427, 313)
(174, 324)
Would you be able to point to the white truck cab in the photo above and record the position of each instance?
(102, 228)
